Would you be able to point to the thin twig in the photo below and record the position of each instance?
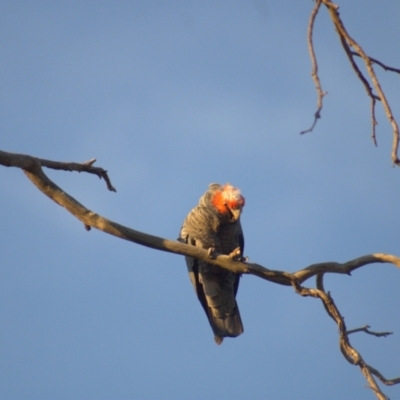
(314, 72)
(357, 70)
(367, 87)
(86, 166)
(366, 330)
(380, 63)
(25, 162)
(388, 382)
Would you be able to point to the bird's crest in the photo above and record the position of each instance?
(227, 196)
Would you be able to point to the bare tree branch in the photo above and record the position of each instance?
(366, 84)
(314, 72)
(388, 382)
(32, 167)
(21, 160)
(348, 351)
(380, 63)
(343, 34)
(33, 170)
(351, 355)
(366, 330)
(348, 43)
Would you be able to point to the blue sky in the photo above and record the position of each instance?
(169, 97)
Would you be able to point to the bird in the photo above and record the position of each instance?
(214, 224)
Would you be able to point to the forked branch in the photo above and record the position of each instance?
(366, 330)
(353, 49)
(32, 167)
(26, 162)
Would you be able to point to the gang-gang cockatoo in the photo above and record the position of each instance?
(214, 224)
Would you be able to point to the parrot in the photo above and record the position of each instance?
(214, 224)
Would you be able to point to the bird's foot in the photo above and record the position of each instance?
(211, 252)
(236, 254)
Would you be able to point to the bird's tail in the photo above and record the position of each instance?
(229, 326)
(223, 312)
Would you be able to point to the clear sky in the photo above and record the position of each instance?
(170, 96)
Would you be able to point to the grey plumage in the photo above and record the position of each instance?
(208, 226)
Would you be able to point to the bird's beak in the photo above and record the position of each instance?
(235, 213)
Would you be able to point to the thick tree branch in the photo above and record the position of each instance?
(33, 169)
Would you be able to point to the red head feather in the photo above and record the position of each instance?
(226, 198)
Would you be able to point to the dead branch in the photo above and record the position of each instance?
(86, 166)
(348, 43)
(388, 382)
(380, 63)
(348, 351)
(343, 34)
(366, 330)
(24, 161)
(32, 167)
(33, 170)
(314, 72)
(366, 84)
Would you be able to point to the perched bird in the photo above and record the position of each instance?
(214, 224)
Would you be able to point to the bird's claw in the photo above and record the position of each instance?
(235, 254)
(211, 252)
